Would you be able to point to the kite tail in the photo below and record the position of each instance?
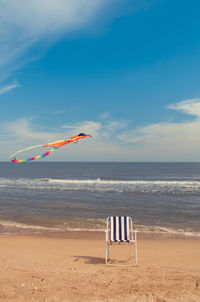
(14, 160)
(54, 145)
(24, 150)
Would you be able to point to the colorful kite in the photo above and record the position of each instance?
(55, 146)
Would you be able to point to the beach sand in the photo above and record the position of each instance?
(71, 267)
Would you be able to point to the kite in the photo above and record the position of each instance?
(54, 145)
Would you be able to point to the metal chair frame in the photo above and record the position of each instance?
(132, 240)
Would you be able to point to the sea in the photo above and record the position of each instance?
(61, 196)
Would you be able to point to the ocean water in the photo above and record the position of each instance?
(160, 197)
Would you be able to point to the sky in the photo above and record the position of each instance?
(124, 71)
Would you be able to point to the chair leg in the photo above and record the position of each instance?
(136, 255)
(107, 252)
(130, 251)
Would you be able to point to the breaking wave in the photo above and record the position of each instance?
(136, 186)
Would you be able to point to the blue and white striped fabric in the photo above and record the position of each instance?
(119, 228)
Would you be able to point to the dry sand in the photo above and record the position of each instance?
(59, 269)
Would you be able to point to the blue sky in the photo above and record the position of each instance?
(126, 72)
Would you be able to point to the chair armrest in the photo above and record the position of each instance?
(135, 233)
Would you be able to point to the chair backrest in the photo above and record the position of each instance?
(119, 228)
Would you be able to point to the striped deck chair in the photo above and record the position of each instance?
(119, 230)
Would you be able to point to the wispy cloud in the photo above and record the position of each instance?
(25, 23)
(191, 106)
(116, 140)
(168, 140)
(105, 115)
(7, 88)
(89, 127)
(23, 129)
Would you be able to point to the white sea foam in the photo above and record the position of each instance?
(150, 186)
(17, 225)
(129, 182)
(9, 227)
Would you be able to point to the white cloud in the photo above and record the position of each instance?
(115, 140)
(37, 18)
(5, 89)
(104, 115)
(168, 140)
(191, 106)
(88, 127)
(23, 129)
(24, 23)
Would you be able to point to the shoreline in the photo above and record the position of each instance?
(98, 235)
(90, 233)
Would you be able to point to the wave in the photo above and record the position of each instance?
(118, 186)
(98, 225)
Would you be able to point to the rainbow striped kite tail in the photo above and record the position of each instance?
(14, 160)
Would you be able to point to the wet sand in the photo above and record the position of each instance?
(71, 267)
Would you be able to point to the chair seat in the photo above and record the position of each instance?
(120, 241)
(120, 232)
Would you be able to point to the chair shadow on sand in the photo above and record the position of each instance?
(89, 259)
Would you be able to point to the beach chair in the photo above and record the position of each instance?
(119, 231)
